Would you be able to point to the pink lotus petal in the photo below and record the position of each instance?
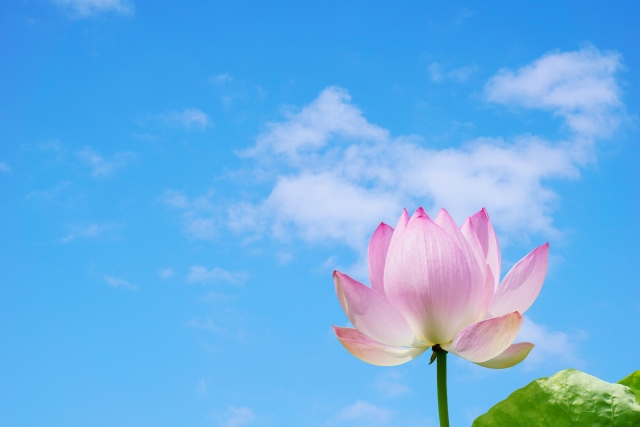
(427, 278)
(487, 339)
(419, 213)
(469, 234)
(377, 255)
(371, 313)
(476, 268)
(522, 284)
(373, 352)
(471, 237)
(489, 242)
(402, 222)
(513, 355)
(400, 227)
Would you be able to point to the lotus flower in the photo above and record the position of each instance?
(434, 284)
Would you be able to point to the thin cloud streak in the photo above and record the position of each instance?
(189, 119)
(87, 8)
(198, 215)
(102, 166)
(551, 346)
(362, 413)
(92, 231)
(200, 274)
(117, 282)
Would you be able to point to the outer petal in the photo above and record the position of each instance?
(470, 235)
(373, 352)
(400, 227)
(513, 355)
(427, 278)
(377, 255)
(489, 242)
(477, 270)
(419, 213)
(487, 339)
(522, 284)
(371, 313)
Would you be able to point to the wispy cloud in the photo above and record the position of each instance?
(200, 274)
(233, 92)
(222, 79)
(551, 346)
(117, 282)
(198, 215)
(205, 324)
(90, 231)
(578, 86)
(361, 413)
(165, 273)
(189, 119)
(4, 167)
(103, 166)
(335, 175)
(216, 298)
(439, 73)
(389, 384)
(87, 8)
(238, 417)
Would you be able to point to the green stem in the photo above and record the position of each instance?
(443, 406)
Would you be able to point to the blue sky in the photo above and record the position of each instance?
(179, 180)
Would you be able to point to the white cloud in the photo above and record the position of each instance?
(335, 176)
(362, 413)
(438, 73)
(119, 283)
(200, 274)
(188, 119)
(198, 215)
(205, 324)
(215, 297)
(86, 8)
(101, 166)
(579, 86)
(201, 228)
(4, 167)
(165, 273)
(550, 346)
(284, 257)
(389, 384)
(221, 78)
(238, 417)
(305, 132)
(201, 388)
(90, 231)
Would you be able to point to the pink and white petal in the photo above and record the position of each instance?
(513, 355)
(371, 313)
(489, 292)
(373, 352)
(400, 227)
(419, 213)
(377, 255)
(486, 339)
(490, 282)
(427, 278)
(488, 241)
(470, 236)
(477, 270)
(522, 284)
